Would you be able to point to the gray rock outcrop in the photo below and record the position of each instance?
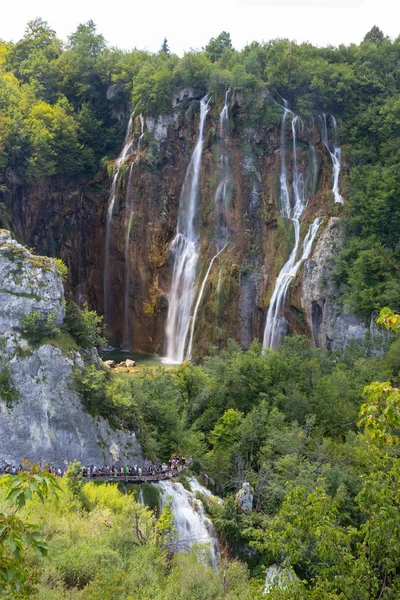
(331, 325)
(47, 422)
(244, 498)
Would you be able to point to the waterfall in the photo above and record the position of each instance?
(185, 252)
(189, 350)
(336, 155)
(130, 215)
(140, 499)
(111, 202)
(278, 577)
(275, 323)
(222, 192)
(141, 119)
(221, 201)
(192, 526)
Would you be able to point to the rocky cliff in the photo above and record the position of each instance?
(64, 219)
(41, 416)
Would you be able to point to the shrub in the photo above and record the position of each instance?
(84, 325)
(36, 328)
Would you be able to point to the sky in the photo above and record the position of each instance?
(191, 23)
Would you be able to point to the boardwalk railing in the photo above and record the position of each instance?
(127, 477)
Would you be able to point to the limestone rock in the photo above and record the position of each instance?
(331, 326)
(27, 283)
(110, 363)
(244, 498)
(48, 421)
(130, 363)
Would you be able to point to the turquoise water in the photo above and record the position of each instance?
(141, 359)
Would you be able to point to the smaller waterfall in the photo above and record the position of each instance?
(140, 499)
(275, 326)
(185, 252)
(141, 119)
(192, 526)
(130, 215)
(197, 487)
(335, 155)
(278, 577)
(199, 297)
(291, 210)
(111, 202)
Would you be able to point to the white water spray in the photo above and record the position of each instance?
(335, 155)
(185, 252)
(291, 210)
(192, 526)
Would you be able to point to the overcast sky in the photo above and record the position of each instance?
(191, 23)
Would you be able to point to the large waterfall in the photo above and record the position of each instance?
(291, 209)
(185, 252)
(221, 202)
(192, 526)
(111, 202)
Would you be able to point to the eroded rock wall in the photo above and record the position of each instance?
(62, 218)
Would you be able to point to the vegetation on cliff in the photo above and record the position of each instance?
(60, 106)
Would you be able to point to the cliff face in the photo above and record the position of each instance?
(45, 420)
(65, 220)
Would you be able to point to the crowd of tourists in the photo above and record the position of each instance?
(92, 471)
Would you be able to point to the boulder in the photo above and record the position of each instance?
(130, 363)
(244, 498)
(122, 364)
(110, 363)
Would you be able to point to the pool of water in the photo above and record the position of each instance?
(141, 359)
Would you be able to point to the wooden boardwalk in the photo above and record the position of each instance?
(143, 478)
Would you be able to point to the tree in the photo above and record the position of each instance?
(216, 46)
(165, 47)
(374, 35)
(16, 536)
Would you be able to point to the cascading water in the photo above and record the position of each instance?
(185, 252)
(192, 526)
(196, 308)
(111, 202)
(276, 323)
(129, 221)
(221, 201)
(335, 155)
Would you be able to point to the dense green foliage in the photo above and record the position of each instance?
(287, 421)
(325, 482)
(82, 327)
(113, 548)
(18, 575)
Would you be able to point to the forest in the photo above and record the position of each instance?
(312, 431)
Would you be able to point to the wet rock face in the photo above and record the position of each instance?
(61, 220)
(46, 421)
